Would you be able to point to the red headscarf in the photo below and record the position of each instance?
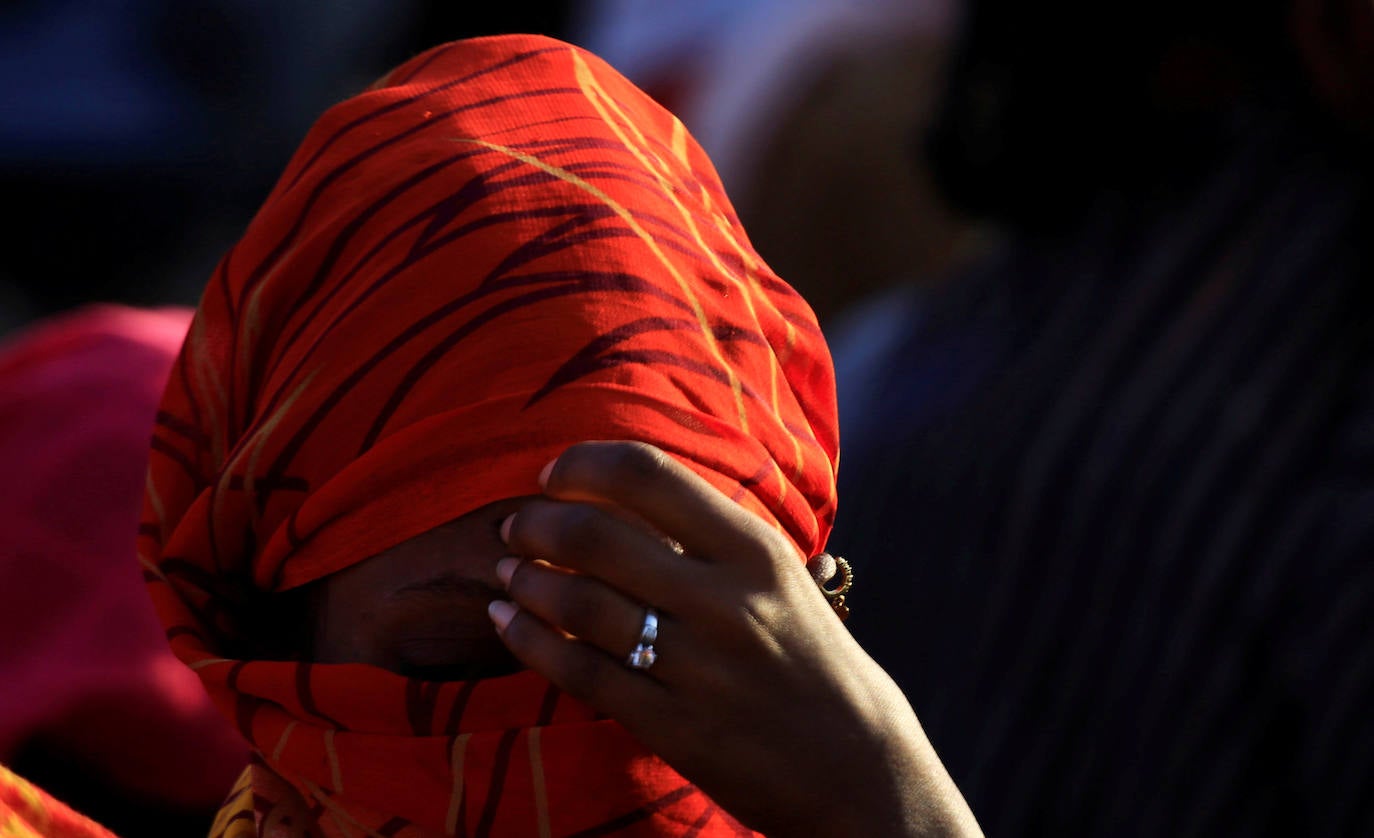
(501, 249)
(77, 398)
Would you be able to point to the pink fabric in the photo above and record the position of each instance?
(83, 659)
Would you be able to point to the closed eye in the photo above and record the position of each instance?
(449, 584)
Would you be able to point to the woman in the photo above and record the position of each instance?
(500, 250)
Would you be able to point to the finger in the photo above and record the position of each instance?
(674, 499)
(580, 670)
(579, 605)
(595, 542)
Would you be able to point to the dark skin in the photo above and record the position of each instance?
(420, 608)
(757, 677)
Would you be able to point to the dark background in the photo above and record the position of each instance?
(137, 141)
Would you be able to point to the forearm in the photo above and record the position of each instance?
(921, 799)
(883, 777)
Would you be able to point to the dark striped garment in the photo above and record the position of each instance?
(1110, 500)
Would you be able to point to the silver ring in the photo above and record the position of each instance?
(643, 654)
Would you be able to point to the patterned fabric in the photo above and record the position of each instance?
(501, 249)
(26, 811)
(1114, 511)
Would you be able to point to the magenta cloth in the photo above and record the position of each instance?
(84, 663)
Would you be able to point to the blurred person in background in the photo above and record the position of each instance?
(93, 705)
(809, 109)
(1110, 493)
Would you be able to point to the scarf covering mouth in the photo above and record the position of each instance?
(500, 249)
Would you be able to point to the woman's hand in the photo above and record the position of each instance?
(759, 695)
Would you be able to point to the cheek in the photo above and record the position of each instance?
(450, 631)
(343, 627)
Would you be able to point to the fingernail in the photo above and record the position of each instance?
(501, 613)
(505, 528)
(505, 569)
(545, 472)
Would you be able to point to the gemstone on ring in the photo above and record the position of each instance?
(643, 654)
(642, 657)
